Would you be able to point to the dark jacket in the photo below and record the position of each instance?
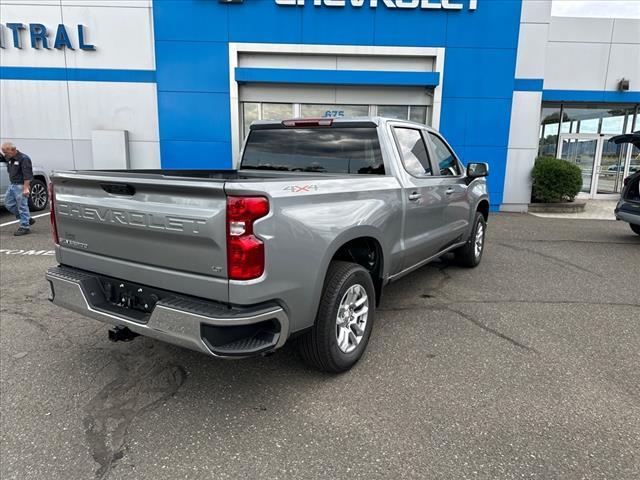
(19, 168)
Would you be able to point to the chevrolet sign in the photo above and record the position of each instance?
(407, 4)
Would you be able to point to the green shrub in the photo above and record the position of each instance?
(555, 180)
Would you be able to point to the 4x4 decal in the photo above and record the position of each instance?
(301, 188)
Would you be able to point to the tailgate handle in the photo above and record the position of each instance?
(118, 189)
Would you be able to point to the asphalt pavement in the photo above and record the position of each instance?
(525, 367)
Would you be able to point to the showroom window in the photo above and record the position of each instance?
(252, 111)
(311, 110)
(582, 119)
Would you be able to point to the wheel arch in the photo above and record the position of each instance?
(354, 246)
(483, 208)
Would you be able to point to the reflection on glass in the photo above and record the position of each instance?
(311, 110)
(399, 112)
(611, 167)
(634, 164)
(277, 111)
(445, 158)
(613, 125)
(418, 114)
(581, 153)
(598, 119)
(413, 151)
(550, 122)
(328, 150)
(250, 113)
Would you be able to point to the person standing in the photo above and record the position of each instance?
(16, 199)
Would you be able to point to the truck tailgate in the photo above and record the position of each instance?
(156, 230)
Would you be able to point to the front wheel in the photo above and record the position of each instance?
(635, 228)
(38, 195)
(344, 321)
(470, 254)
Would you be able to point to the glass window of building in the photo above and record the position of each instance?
(250, 113)
(549, 129)
(399, 112)
(277, 111)
(311, 110)
(418, 114)
(608, 120)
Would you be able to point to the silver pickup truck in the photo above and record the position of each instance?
(297, 243)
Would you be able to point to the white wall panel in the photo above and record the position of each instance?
(34, 109)
(283, 60)
(50, 16)
(571, 29)
(31, 2)
(576, 66)
(109, 3)
(48, 154)
(532, 45)
(383, 95)
(624, 62)
(114, 106)
(525, 119)
(82, 154)
(123, 37)
(336, 62)
(517, 191)
(338, 95)
(257, 92)
(144, 155)
(536, 11)
(385, 63)
(626, 30)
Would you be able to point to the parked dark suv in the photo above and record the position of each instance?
(628, 208)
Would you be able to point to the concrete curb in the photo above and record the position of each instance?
(565, 207)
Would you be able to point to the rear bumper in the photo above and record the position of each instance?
(627, 213)
(204, 326)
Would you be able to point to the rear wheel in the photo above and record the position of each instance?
(38, 195)
(470, 254)
(344, 320)
(635, 228)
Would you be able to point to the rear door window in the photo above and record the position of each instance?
(413, 151)
(353, 150)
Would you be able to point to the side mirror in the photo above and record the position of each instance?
(477, 170)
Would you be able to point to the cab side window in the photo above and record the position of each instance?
(413, 151)
(445, 159)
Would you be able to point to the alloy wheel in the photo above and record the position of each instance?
(39, 196)
(351, 321)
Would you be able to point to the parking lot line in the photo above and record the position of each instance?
(18, 221)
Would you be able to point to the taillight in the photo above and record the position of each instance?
(52, 204)
(245, 252)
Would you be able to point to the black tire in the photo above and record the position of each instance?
(635, 228)
(319, 346)
(467, 255)
(38, 195)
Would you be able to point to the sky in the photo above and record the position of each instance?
(596, 8)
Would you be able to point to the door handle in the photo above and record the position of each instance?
(449, 191)
(415, 196)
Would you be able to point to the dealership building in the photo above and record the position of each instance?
(175, 83)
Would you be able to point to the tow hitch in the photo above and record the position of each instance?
(121, 334)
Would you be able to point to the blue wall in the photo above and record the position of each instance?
(193, 73)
